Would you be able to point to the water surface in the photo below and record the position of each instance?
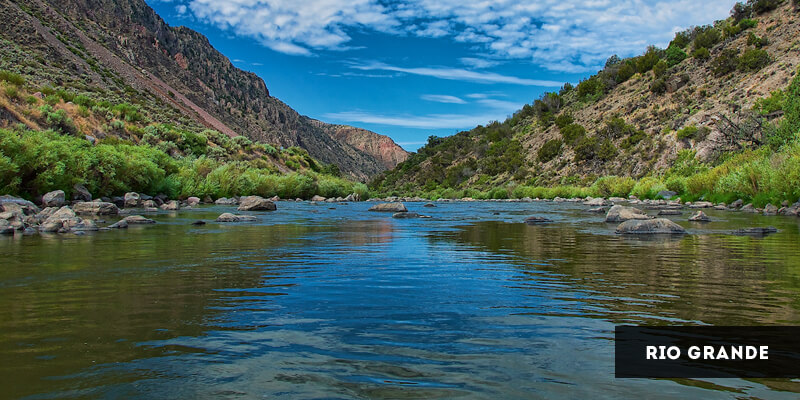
(332, 301)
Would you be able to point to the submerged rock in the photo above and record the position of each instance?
(699, 217)
(389, 207)
(651, 226)
(199, 222)
(409, 215)
(138, 220)
(429, 205)
(256, 203)
(537, 220)
(598, 210)
(755, 231)
(228, 217)
(121, 224)
(621, 213)
(670, 212)
(6, 228)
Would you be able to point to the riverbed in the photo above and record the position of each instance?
(330, 300)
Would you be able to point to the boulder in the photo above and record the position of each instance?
(699, 217)
(537, 220)
(621, 213)
(749, 208)
(132, 200)
(429, 205)
(138, 220)
(616, 199)
(199, 222)
(256, 203)
(737, 203)
(56, 198)
(208, 200)
(770, 209)
(224, 201)
(149, 204)
(702, 204)
(118, 201)
(598, 210)
(6, 228)
(121, 224)
(95, 208)
(16, 204)
(228, 217)
(192, 201)
(172, 205)
(80, 193)
(755, 231)
(80, 224)
(275, 198)
(595, 202)
(650, 226)
(389, 207)
(317, 198)
(353, 197)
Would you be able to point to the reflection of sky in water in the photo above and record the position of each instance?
(313, 302)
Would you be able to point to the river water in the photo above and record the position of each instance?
(332, 301)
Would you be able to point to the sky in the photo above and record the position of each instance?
(410, 69)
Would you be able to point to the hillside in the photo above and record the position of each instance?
(170, 72)
(716, 91)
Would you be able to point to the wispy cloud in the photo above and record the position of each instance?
(442, 98)
(431, 121)
(563, 35)
(458, 75)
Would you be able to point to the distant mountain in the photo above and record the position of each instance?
(123, 45)
(711, 93)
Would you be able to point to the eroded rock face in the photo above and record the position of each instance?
(228, 217)
(95, 208)
(56, 198)
(620, 213)
(256, 203)
(650, 226)
(389, 207)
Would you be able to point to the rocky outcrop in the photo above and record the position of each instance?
(651, 226)
(256, 203)
(394, 207)
(56, 198)
(620, 213)
(65, 220)
(380, 147)
(95, 208)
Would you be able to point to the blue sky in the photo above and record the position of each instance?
(414, 68)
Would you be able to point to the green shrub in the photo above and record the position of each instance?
(31, 100)
(590, 87)
(676, 184)
(701, 54)
(57, 119)
(572, 133)
(648, 188)
(687, 132)
(194, 143)
(12, 78)
(726, 62)
(762, 6)
(681, 40)
(607, 151)
(747, 23)
(660, 69)
(612, 186)
(11, 92)
(648, 60)
(706, 37)
(586, 148)
(754, 60)
(659, 86)
(771, 104)
(631, 141)
(563, 120)
(626, 71)
(550, 150)
(755, 41)
(675, 55)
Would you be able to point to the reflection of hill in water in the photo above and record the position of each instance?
(714, 279)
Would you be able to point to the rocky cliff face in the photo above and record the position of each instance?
(126, 42)
(381, 147)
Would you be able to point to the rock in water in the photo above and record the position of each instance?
(199, 222)
(429, 205)
(193, 201)
(55, 198)
(620, 213)
(595, 202)
(172, 205)
(598, 210)
(769, 209)
(256, 203)
(755, 231)
(389, 207)
(121, 224)
(6, 228)
(228, 217)
(408, 215)
(224, 201)
(138, 220)
(699, 217)
(96, 208)
(132, 200)
(537, 220)
(318, 198)
(650, 226)
(671, 212)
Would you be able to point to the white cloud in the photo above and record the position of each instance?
(478, 62)
(563, 35)
(458, 75)
(442, 98)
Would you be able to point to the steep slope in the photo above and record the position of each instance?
(709, 95)
(125, 43)
(381, 147)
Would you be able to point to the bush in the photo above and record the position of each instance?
(11, 92)
(12, 78)
(57, 119)
(572, 133)
(747, 23)
(762, 6)
(586, 148)
(648, 60)
(625, 71)
(754, 60)
(771, 104)
(675, 55)
(706, 37)
(660, 69)
(676, 184)
(633, 140)
(563, 120)
(590, 87)
(648, 188)
(681, 40)
(701, 54)
(550, 150)
(659, 86)
(726, 62)
(688, 132)
(612, 186)
(194, 143)
(607, 151)
(755, 41)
